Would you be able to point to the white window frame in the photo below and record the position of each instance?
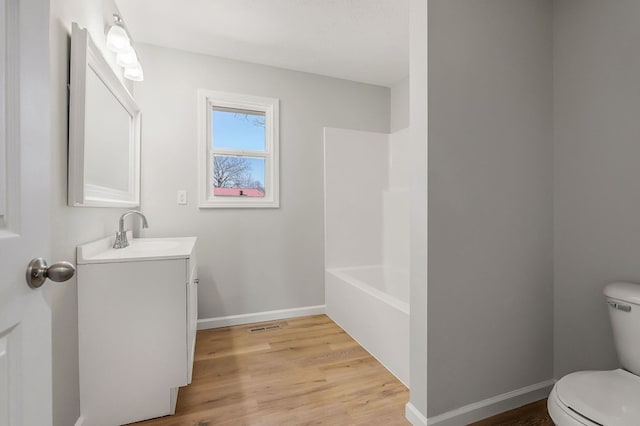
(209, 99)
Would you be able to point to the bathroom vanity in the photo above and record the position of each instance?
(137, 311)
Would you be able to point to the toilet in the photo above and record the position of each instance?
(606, 398)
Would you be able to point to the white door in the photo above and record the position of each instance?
(25, 315)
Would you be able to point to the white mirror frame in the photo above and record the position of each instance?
(86, 57)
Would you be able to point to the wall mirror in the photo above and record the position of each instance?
(104, 131)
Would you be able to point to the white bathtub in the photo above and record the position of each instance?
(371, 303)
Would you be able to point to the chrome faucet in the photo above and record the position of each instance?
(121, 236)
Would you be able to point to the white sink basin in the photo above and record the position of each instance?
(102, 251)
(152, 244)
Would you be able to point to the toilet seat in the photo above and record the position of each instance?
(610, 398)
(561, 415)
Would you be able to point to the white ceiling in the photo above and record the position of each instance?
(360, 40)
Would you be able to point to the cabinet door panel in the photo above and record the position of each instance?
(192, 314)
(132, 329)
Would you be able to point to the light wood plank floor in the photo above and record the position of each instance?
(534, 414)
(307, 372)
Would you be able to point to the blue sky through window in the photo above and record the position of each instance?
(257, 169)
(234, 130)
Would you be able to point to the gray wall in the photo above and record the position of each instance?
(399, 105)
(250, 260)
(596, 172)
(70, 226)
(490, 302)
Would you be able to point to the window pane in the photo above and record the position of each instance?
(238, 176)
(238, 129)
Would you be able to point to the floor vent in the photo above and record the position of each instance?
(264, 328)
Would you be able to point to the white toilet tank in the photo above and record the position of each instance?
(624, 310)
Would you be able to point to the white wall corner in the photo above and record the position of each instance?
(79, 422)
(492, 406)
(415, 417)
(218, 322)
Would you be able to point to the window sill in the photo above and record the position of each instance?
(239, 204)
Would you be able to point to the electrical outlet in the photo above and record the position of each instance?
(182, 197)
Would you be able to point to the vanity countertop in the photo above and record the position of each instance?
(139, 249)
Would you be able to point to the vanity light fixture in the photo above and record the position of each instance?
(119, 42)
(134, 73)
(128, 58)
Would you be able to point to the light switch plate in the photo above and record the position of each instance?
(182, 196)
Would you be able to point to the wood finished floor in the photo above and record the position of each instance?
(534, 414)
(307, 372)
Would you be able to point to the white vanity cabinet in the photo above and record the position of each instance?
(137, 310)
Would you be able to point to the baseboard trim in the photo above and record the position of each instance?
(492, 406)
(415, 417)
(208, 323)
(80, 421)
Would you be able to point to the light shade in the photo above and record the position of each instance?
(127, 58)
(134, 73)
(117, 39)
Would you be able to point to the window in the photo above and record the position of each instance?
(238, 153)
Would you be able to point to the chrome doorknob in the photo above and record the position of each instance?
(38, 271)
